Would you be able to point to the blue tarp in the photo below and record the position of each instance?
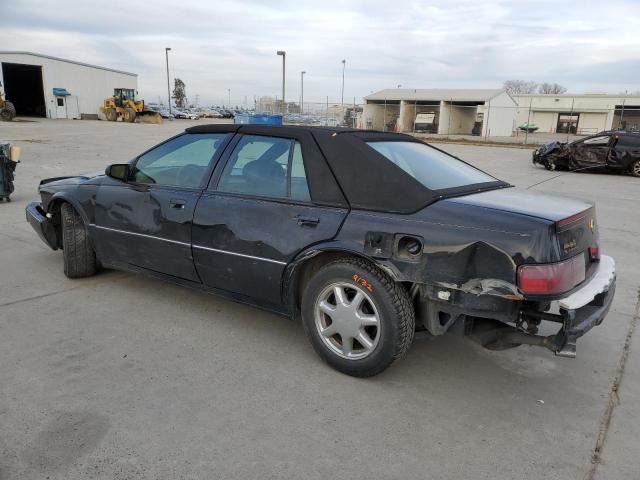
(60, 92)
(245, 119)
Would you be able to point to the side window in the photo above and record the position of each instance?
(266, 166)
(601, 140)
(180, 162)
(629, 141)
(299, 186)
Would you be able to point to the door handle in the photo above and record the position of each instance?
(308, 221)
(177, 203)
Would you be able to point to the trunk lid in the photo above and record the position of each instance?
(525, 202)
(575, 221)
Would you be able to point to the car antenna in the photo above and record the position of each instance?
(562, 174)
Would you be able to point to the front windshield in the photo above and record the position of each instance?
(432, 168)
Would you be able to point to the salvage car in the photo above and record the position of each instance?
(366, 237)
(617, 151)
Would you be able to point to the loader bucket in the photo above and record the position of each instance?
(149, 116)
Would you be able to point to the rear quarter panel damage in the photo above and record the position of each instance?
(473, 249)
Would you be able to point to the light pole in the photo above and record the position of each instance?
(229, 92)
(166, 53)
(344, 65)
(284, 56)
(302, 91)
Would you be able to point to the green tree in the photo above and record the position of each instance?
(179, 92)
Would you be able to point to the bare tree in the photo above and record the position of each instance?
(551, 88)
(515, 87)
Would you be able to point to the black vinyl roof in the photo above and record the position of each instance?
(366, 178)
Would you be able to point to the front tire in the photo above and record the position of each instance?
(356, 317)
(634, 170)
(79, 256)
(8, 112)
(129, 115)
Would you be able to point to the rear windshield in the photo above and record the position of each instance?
(432, 168)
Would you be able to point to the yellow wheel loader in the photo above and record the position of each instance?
(7, 110)
(124, 105)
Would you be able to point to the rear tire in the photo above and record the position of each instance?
(8, 112)
(79, 256)
(372, 344)
(635, 168)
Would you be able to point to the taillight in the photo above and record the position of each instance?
(573, 218)
(594, 253)
(551, 278)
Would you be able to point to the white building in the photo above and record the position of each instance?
(483, 112)
(581, 114)
(44, 86)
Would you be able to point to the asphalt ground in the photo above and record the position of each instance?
(123, 377)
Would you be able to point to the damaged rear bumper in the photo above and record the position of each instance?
(41, 224)
(587, 307)
(501, 322)
(578, 313)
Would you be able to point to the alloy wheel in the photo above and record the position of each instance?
(347, 320)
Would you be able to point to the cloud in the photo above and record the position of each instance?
(232, 44)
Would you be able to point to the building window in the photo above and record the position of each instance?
(567, 123)
(60, 102)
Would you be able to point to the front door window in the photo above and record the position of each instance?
(180, 162)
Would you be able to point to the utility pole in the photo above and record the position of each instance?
(302, 92)
(284, 56)
(166, 53)
(344, 65)
(229, 92)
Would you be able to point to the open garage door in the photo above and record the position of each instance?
(23, 87)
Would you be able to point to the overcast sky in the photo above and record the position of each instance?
(219, 44)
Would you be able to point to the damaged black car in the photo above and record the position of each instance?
(617, 151)
(365, 237)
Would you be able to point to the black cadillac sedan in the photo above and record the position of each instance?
(367, 237)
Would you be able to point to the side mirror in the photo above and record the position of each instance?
(119, 171)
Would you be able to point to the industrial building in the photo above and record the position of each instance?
(44, 86)
(496, 113)
(580, 114)
(483, 112)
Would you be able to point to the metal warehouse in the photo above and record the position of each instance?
(44, 86)
(484, 112)
(580, 114)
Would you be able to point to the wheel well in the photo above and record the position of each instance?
(54, 209)
(303, 273)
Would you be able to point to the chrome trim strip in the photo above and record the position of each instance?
(278, 262)
(140, 235)
(239, 254)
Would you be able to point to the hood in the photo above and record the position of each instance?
(525, 202)
(70, 180)
(549, 147)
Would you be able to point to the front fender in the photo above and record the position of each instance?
(65, 196)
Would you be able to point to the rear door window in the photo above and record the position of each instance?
(266, 166)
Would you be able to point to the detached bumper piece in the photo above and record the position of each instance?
(43, 226)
